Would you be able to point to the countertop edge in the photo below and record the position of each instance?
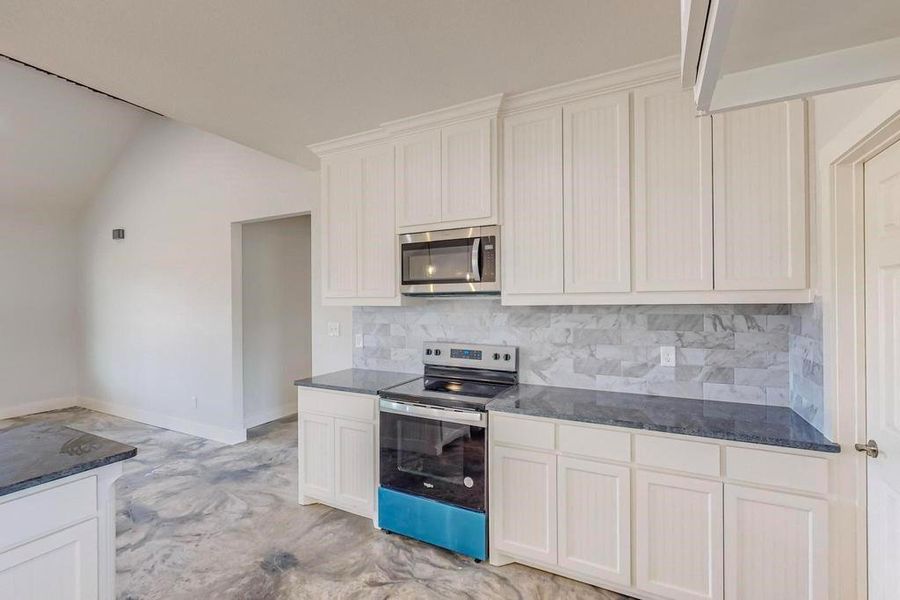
(62, 474)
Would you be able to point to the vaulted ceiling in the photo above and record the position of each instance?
(277, 75)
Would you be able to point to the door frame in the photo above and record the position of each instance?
(841, 228)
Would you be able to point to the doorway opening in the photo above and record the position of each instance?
(276, 316)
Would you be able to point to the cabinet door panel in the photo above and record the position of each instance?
(673, 211)
(759, 175)
(316, 445)
(377, 255)
(62, 566)
(532, 231)
(466, 181)
(419, 179)
(354, 478)
(776, 545)
(595, 519)
(523, 504)
(678, 529)
(597, 195)
(341, 178)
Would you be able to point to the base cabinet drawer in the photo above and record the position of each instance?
(776, 545)
(678, 529)
(595, 519)
(524, 503)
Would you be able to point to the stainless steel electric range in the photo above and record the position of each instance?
(433, 445)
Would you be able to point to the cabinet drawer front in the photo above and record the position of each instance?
(598, 443)
(804, 473)
(523, 432)
(337, 404)
(42, 512)
(679, 455)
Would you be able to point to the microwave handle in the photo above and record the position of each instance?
(476, 256)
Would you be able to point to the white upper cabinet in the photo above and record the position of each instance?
(673, 206)
(467, 171)
(377, 255)
(597, 195)
(759, 166)
(532, 230)
(359, 247)
(419, 179)
(341, 191)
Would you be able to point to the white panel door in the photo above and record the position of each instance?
(316, 456)
(597, 194)
(354, 459)
(523, 506)
(759, 197)
(418, 172)
(595, 519)
(61, 566)
(466, 180)
(673, 210)
(532, 203)
(882, 193)
(341, 179)
(678, 536)
(776, 545)
(377, 248)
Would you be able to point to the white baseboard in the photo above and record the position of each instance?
(158, 419)
(270, 414)
(37, 406)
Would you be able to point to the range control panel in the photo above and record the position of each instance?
(474, 356)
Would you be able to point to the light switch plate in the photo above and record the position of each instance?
(667, 356)
(334, 329)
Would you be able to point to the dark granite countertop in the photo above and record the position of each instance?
(34, 454)
(361, 381)
(769, 425)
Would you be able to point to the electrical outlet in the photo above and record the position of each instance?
(334, 329)
(667, 356)
(359, 340)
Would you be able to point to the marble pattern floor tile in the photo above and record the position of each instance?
(198, 519)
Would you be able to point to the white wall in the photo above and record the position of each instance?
(277, 341)
(157, 314)
(38, 317)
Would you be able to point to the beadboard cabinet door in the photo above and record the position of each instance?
(678, 530)
(776, 545)
(532, 203)
(524, 489)
(418, 172)
(341, 190)
(316, 435)
(377, 245)
(673, 201)
(595, 519)
(354, 460)
(597, 194)
(760, 197)
(466, 171)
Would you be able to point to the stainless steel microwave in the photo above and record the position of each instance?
(454, 261)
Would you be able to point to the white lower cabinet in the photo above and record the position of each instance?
(337, 451)
(524, 503)
(62, 566)
(678, 536)
(594, 502)
(776, 545)
(669, 521)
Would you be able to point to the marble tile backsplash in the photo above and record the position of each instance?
(807, 395)
(737, 353)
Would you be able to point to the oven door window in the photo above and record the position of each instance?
(446, 261)
(434, 459)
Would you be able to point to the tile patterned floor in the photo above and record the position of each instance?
(197, 519)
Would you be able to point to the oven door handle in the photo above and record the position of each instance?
(463, 417)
